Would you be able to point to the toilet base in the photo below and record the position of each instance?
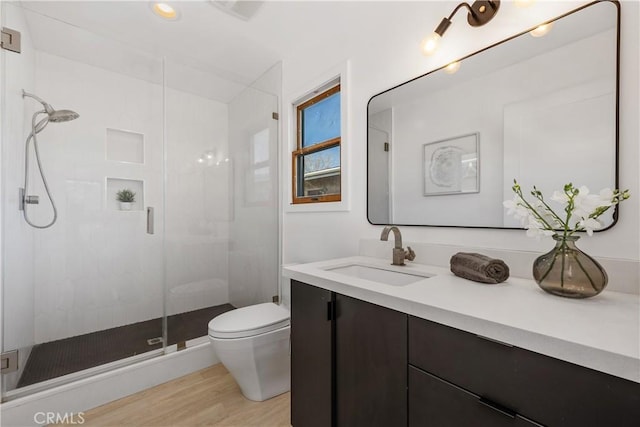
(261, 365)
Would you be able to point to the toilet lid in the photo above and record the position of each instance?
(249, 321)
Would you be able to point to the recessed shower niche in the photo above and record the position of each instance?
(116, 184)
(125, 146)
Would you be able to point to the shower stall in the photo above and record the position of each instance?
(90, 285)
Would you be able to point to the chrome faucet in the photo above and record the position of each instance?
(399, 254)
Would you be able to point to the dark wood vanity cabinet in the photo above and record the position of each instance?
(435, 402)
(355, 364)
(518, 384)
(311, 356)
(348, 361)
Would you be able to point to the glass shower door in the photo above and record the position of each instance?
(86, 293)
(222, 197)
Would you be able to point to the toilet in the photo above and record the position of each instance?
(253, 344)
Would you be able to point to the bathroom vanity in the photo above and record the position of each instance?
(438, 350)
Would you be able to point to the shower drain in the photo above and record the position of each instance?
(154, 341)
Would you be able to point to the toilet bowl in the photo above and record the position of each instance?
(253, 344)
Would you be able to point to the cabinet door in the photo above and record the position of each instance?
(371, 365)
(559, 393)
(311, 356)
(436, 403)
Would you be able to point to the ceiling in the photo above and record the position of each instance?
(208, 51)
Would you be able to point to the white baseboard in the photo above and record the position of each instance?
(92, 392)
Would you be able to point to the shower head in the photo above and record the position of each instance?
(55, 116)
(59, 116)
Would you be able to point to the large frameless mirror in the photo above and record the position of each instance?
(444, 148)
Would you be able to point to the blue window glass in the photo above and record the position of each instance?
(321, 121)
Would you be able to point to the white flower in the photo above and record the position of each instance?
(559, 196)
(585, 204)
(589, 225)
(536, 229)
(606, 195)
(515, 208)
(581, 210)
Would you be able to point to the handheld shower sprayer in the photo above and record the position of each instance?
(53, 116)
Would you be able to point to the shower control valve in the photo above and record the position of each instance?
(32, 200)
(26, 200)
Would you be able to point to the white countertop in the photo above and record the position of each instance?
(602, 333)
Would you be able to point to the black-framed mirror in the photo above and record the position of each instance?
(443, 149)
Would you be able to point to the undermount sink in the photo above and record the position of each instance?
(380, 275)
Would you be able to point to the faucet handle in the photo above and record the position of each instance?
(409, 254)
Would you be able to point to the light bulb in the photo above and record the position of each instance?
(209, 156)
(452, 68)
(541, 30)
(165, 11)
(524, 3)
(200, 160)
(430, 44)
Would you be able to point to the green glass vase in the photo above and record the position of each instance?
(567, 271)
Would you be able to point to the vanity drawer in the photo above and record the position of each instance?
(479, 365)
(560, 393)
(551, 391)
(435, 402)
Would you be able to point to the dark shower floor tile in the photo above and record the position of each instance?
(56, 358)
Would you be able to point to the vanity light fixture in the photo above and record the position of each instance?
(541, 30)
(165, 11)
(452, 68)
(480, 12)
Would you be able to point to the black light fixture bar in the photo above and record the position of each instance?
(480, 12)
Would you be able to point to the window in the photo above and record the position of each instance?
(316, 160)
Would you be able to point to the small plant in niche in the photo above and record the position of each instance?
(126, 197)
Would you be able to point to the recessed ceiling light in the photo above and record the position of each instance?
(165, 11)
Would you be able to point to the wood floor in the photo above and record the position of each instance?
(205, 398)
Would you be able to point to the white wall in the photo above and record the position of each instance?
(253, 251)
(390, 55)
(17, 262)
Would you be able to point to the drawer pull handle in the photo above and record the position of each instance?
(494, 341)
(496, 407)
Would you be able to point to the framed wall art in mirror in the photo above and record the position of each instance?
(451, 166)
(546, 108)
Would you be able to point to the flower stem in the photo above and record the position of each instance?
(533, 211)
(593, 285)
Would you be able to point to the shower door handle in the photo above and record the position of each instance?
(150, 220)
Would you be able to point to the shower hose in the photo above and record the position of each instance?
(35, 129)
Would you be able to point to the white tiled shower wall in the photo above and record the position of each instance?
(97, 267)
